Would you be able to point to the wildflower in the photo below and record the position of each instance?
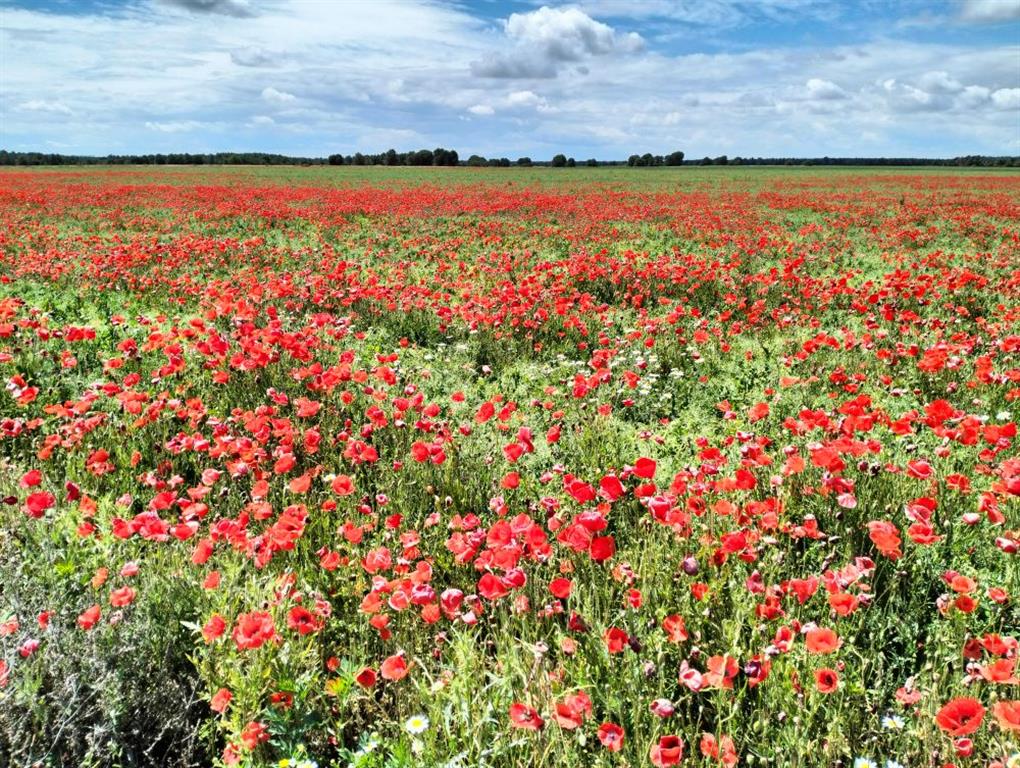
(826, 680)
(253, 629)
(394, 667)
(864, 762)
(525, 717)
(822, 641)
(1007, 714)
(611, 736)
(961, 716)
(668, 751)
(893, 723)
(416, 724)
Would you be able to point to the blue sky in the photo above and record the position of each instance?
(602, 78)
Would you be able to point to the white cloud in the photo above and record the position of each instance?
(549, 37)
(41, 105)
(1007, 98)
(262, 120)
(524, 99)
(824, 90)
(990, 11)
(481, 109)
(568, 34)
(973, 96)
(939, 82)
(255, 57)
(274, 96)
(176, 126)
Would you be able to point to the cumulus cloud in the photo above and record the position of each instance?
(176, 126)
(568, 34)
(513, 66)
(973, 96)
(939, 82)
(549, 37)
(824, 90)
(513, 101)
(41, 105)
(236, 8)
(990, 11)
(524, 99)
(279, 98)
(903, 97)
(255, 57)
(1006, 98)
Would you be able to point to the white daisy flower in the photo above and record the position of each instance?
(417, 724)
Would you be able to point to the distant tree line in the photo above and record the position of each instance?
(982, 161)
(450, 157)
(437, 156)
(648, 160)
(173, 158)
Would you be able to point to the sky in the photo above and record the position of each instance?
(594, 78)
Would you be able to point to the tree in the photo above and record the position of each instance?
(634, 161)
(675, 158)
(571, 162)
(647, 160)
(591, 162)
(559, 161)
(336, 159)
(524, 162)
(476, 161)
(421, 157)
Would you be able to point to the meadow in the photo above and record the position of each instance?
(509, 467)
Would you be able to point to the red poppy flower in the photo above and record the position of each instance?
(525, 717)
(254, 734)
(572, 711)
(213, 628)
(1007, 715)
(89, 617)
(220, 700)
(822, 641)
(961, 716)
(302, 620)
(668, 751)
(602, 548)
(611, 736)
(37, 503)
(826, 680)
(253, 629)
(366, 677)
(615, 639)
(673, 626)
(644, 468)
(560, 588)
(121, 597)
(394, 668)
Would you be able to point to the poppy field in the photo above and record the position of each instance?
(699, 467)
